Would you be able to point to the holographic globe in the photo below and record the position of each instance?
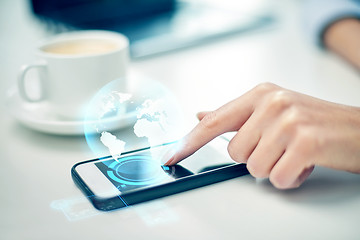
(120, 118)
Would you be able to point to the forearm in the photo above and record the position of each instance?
(343, 37)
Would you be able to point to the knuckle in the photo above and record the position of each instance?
(210, 120)
(280, 100)
(291, 121)
(265, 87)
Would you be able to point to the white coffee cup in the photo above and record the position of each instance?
(73, 67)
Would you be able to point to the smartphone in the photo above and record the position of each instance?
(138, 176)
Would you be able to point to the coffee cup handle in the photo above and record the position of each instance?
(21, 81)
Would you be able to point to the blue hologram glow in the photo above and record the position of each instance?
(118, 117)
(152, 213)
(127, 205)
(75, 208)
(165, 168)
(79, 208)
(134, 171)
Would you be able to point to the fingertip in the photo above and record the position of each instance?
(172, 161)
(304, 175)
(169, 162)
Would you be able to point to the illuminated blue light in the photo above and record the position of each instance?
(165, 168)
(147, 109)
(135, 170)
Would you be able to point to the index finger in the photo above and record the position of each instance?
(229, 117)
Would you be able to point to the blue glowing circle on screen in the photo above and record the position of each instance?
(135, 170)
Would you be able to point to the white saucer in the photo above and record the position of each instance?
(39, 117)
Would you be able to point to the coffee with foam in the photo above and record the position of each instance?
(82, 47)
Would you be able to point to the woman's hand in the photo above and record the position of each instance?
(281, 134)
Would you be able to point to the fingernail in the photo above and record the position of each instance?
(169, 162)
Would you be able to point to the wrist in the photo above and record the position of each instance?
(343, 37)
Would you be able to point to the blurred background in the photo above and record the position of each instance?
(155, 26)
(253, 34)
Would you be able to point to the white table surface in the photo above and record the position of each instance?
(35, 177)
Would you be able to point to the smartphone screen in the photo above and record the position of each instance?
(143, 168)
(140, 176)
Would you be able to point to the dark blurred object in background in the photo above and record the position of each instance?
(100, 13)
(154, 26)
